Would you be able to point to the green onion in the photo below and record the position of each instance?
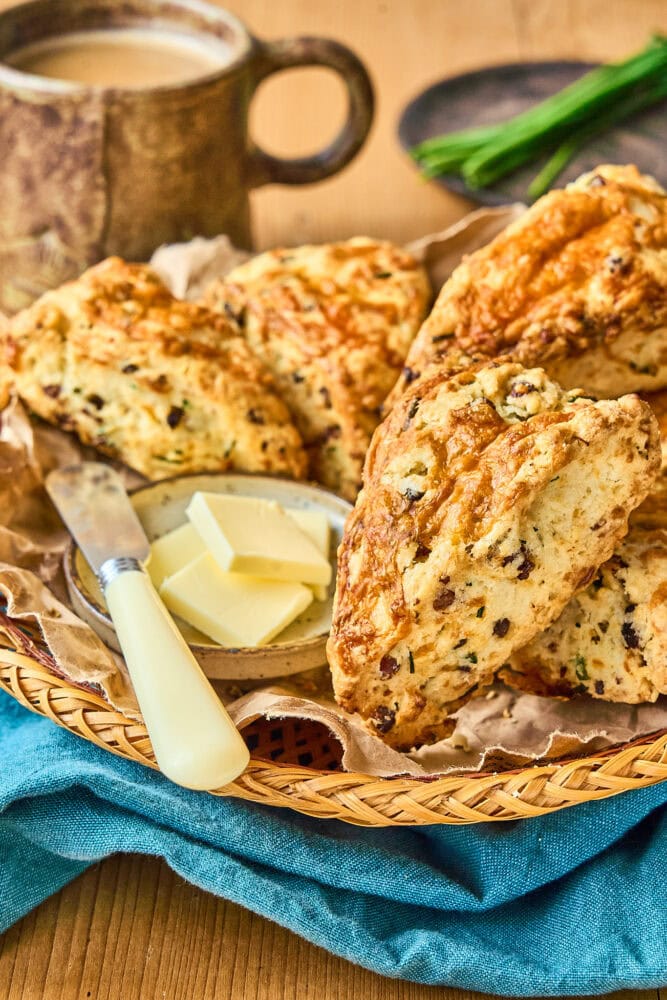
(560, 125)
(567, 150)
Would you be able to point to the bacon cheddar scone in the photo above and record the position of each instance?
(166, 386)
(611, 640)
(333, 324)
(577, 285)
(490, 497)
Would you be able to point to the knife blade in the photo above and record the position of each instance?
(195, 741)
(92, 501)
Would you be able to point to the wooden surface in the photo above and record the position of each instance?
(129, 929)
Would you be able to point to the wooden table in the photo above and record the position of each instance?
(129, 928)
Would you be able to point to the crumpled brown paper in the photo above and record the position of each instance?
(502, 729)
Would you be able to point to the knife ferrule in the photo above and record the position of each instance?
(112, 568)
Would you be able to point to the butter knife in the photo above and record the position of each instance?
(196, 743)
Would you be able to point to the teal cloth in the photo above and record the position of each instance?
(572, 903)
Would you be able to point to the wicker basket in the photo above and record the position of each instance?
(296, 764)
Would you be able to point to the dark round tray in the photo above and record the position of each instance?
(497, 93)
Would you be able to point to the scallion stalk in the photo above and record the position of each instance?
(599, 99)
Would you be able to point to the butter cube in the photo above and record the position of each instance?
(233, 609)
(248, 535)
(172, 552)
(315, 524)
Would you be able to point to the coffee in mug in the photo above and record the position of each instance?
(123, 57)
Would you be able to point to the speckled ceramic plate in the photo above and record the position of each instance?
(161, 508)
(496, 93)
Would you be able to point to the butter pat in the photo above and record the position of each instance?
(172, 552)
(234, 610)
(315, 525)
(248, 535)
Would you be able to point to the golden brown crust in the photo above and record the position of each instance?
(166, 386)
(490, 497)
(652, 513)
(577, 285)
(333, 323)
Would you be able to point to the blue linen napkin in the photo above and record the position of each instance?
(572, 903)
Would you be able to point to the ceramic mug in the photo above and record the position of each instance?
(86, 172)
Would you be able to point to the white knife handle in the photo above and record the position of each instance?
(196, 743)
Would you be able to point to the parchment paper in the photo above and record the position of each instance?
(502, 729)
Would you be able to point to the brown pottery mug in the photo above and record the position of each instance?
(92, 170)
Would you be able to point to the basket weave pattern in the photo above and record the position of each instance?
(319, 789)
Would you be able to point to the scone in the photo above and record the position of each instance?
(333, 323)
(652, 513)
(577, 285)
(166, 386)
(611, 640)
(490, 497)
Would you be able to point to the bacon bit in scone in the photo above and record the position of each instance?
(603, 626)
(599, 687)
(527, 565)
(422, 553)
(255, 417)
(501, 627)
(175, 415)
(159, 384)
(412, 410)
(53, 391)
(388, 667)
(95, 401)
(520, 388)
(412, 496)
(444, 597)
(129, 369)
(630, 636)
(383, 718)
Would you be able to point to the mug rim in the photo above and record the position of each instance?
(210, 15)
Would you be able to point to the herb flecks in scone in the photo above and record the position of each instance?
(611, 640)
(333, 324)
(163, 385)
(490, 497)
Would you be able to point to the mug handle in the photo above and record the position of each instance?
(272, 57)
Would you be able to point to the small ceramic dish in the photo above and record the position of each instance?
(161, 507)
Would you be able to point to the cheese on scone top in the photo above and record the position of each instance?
(166, 386)
(490, 497)
(577, 285)
(333, 324)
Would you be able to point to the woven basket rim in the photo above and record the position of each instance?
(354, 797)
